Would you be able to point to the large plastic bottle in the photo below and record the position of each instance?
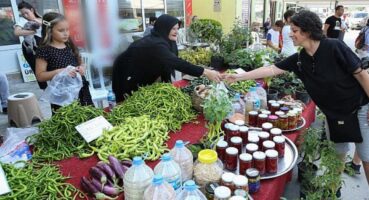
(159, 190)
(137, 179)
(262, 96)
(170, 171)
(111, 100)
(190, 192)
(252, 102)
(238, 104)
(184, 158)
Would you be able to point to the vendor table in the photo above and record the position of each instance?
(271, 189)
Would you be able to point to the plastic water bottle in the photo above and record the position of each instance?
(252, 102)
(137, 179)
(262, 96)
(159, 190)
(111, 100)
(238, 104)
(170, 171)
(183, 157)
(190, 192)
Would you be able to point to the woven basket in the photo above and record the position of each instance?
(197, 101)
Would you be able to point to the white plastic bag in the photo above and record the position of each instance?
(63, 89)
(15, 148)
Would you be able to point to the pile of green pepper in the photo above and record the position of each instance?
(58, 138)
(241, 87)
(136, 136)
(159, 100)
(38, 181)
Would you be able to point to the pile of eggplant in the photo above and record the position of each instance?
(106, 181)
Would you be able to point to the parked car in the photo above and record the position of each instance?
(356, 18)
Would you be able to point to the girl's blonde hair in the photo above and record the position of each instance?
(49, 20)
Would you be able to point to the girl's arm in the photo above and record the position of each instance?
(18, 31)
(42, 74)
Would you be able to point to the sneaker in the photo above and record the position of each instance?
(338, 193)
(353, 166)
(5, 110)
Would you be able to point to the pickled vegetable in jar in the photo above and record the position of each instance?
(275, 107)
(275, 132)
(221, 148)
(273, 119)
(251, 148)
(237, 143)
(253, 118)
(234, 132)
(222, 193)
(267, 126)
(271, 164)
(262, 118)
(245, 163)
(268, 145)
(231, 158)
(270, 102)
(207, 168)
(241, 182)
(279, 145)
(283, 122)
(263, 136)
(244, 134)
(227, 180)
(259, 161)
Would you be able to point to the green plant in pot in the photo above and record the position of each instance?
(207, 30)
(301, 93)
(285, 84)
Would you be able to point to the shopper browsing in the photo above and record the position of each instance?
(4, 93)
(333, 77)
(287, 44)
(273, 35)
(332, 25)
(57, 50)
(151, 58)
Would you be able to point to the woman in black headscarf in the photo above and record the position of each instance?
(152, 57)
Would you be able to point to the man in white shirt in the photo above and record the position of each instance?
(287, 44)
(274, 34)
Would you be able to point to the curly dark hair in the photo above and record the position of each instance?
(310, 23)
(288, 13)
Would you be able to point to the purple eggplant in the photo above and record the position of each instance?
(90, 188)
(98, 174)
(107, 169)
(97, 184)
(111, 191)
(127, 163)
(117, 167)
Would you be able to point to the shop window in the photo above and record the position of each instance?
(7, 21)
(175, 9)
(130, 16)
(153, 8)
(42, 6)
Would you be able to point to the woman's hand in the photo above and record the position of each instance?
(81, 69)
(212, 75)
(230, 78)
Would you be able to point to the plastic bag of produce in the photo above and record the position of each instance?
(63, 89)
(15, 148)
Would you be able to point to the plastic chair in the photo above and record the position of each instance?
(23, 110)
(98, 94)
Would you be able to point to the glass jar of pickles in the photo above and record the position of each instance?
(259, 161)
(283, 122)
(244, 134)
(267, 126)
(275, 132)
(268, 145)
(271, 164)
(240, 182)
(273, 119)
(262, 118)
(227, 180)
(245, 163)
(237, 143)
(221, 148)
(253, 176)
(231, 158)
(253, 118)
(279, 145)
(251, 148)
(263, 136)
(207, 168)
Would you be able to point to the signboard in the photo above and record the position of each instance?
(27, 73)
(4, 186)
(93, 129)
(73, 15)
(217, 5)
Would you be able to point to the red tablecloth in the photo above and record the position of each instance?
(192, 132)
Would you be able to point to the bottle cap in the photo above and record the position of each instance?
(179, 144)
(166, 157)
(137, 160)
(190, 185)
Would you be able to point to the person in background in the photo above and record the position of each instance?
(181, 37)
(57, 50)
(332, 25)
(364, 52)
(329, 70)
(266, 27)
(287, 44)
(150, 26)
(4, 93)
(194, 18)
(7, 36)
(152, 58)
(273, 35)
(29, 26)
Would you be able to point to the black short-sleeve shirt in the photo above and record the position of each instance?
(327, 76)
(334, 26)
(57, 58)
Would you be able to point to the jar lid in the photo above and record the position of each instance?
(240, 180)
(234, 127)
(259, 155)
(271, 153)
(245, 157)
(253, 112)
(266, 112)
(275, 105)
(279, 139)
(252, 172)
(293, 112)
(298, 109)
(207, 156)
(226, 125)
(231, 150)
(284, 108)
(244, 128)
(240, 193)
(281, 102)
(222, 192)
(210, 187)
(272, 101)
(283, 116)
(236, 140)
(276, 131)
(263, 134)
(267, 125)
(269, 144)
(253, 138)
(253, 133)
(263, 116)
(252, 147)
(279, 113)
(273, 117)
(222, 143)
(228, 177)
(237, 198)
(239, 122)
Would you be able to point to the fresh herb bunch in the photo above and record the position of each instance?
(217, 105)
